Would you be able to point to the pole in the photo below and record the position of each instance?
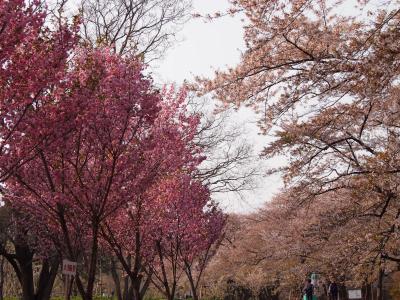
(66, 285)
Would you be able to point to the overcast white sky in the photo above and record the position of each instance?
(204, 48)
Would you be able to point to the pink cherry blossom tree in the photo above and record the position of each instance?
(32, 63)
(180, 220)
(129, 232)
(93, 156)
(196, 253)
(96, 159)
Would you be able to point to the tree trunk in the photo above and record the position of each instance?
(92, 267)
(342, 292)
(46, 278)
(80, 287)
(127, 280)
(169, 291)
(24, 258)
(87, 294)
(145, 286)
(117, 283)
(367, 292)
(193, 288)
(379, 291)
(2, 278)
(22, 263)
(126, 288)
(135, 284)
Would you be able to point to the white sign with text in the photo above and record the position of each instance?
(355, 294)
(69, 267)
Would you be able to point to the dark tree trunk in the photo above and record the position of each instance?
(127, 280)
(24, 258)
(366, 292)
(126, 288)
(379, 290)
(131, 292)
(135, 284)
(2, 278)
(145, 286)
(22, 265)
(92, 266)
(342, 292)
(117, 283)
(87, 293)
(193, 288)
(46, 278)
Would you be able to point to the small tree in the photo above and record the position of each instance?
(182, 217)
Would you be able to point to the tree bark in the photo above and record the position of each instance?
(24, 258)
(366, 292)
(46, 279)
(127, 280)
(22, 265)
(1, 278)
(193, 288)
(379, 291)
(342, 292)
(117, 283)
(135, 284)
(92, 267)
(87, 294)
(145, 286)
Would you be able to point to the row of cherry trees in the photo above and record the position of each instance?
(325, 84)
(94, 158)
(274, 249)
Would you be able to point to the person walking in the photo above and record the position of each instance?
(308, 290)
(333, 291)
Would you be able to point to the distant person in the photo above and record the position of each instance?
(325, 287)
(308, 290)
(333, 291)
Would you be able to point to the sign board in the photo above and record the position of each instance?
(68, 267)
(314, 279)
(355, 294)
